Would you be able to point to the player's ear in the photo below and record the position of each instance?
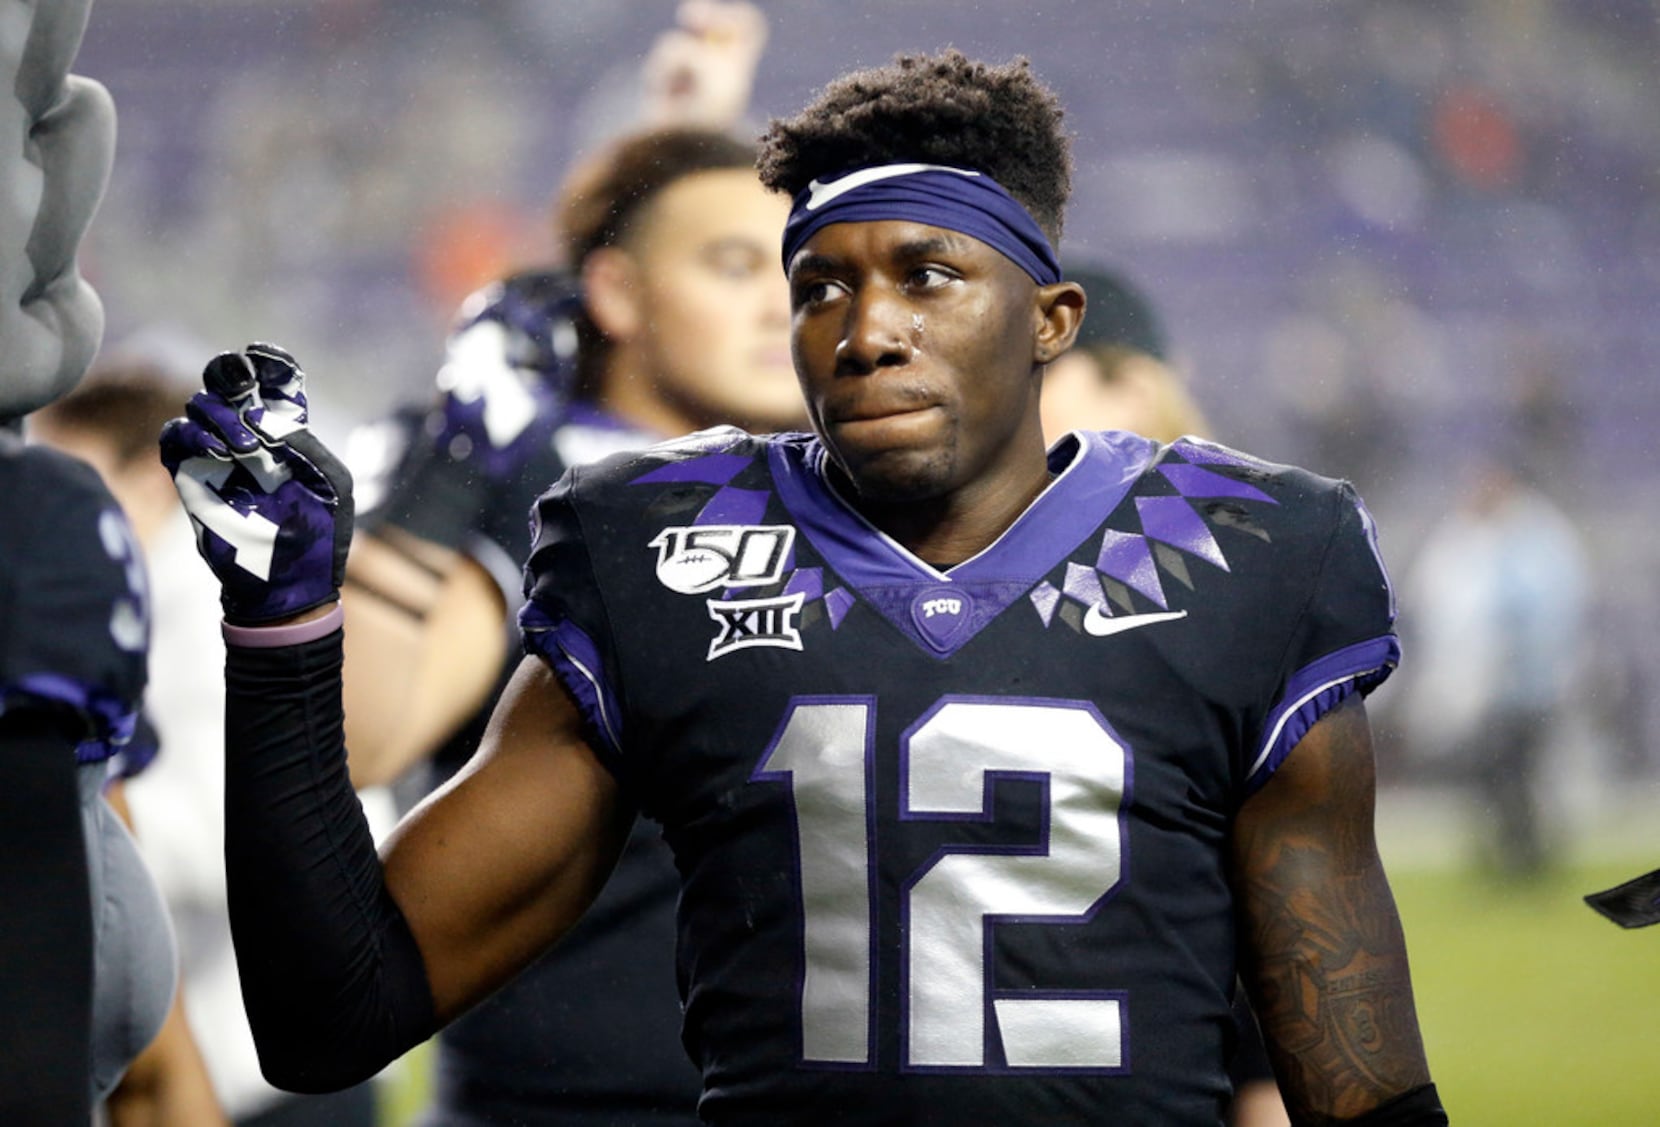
(610, 292)
(1059, 312)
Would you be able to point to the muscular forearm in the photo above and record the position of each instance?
(1333, 990)
(1324, 954)
(333, 980)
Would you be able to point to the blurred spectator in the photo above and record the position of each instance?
(1496, 619)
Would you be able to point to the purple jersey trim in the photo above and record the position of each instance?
(112, 719)
(576, 662)
(1202, 484)
(1095, 470)
(1171, 520)
(706, 469)
(734, 506)
(1315, 690)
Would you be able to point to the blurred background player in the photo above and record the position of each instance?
(672, 317)
(109, 421)
(86, 958)
(1118, 376)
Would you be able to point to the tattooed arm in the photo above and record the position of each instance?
(1321, 944)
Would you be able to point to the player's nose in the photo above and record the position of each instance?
(876, 333)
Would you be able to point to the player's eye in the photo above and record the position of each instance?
(929, 277)
(734, 262)
(814, 291)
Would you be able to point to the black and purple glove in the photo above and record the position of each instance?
(506, 380)
(271, 505)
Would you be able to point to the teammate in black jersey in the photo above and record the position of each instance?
(85, 952)
(979, 760)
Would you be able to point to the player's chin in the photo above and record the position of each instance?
(898, 476)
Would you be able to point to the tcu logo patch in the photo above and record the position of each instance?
(942, 604)
(699, 558)
(941, 615)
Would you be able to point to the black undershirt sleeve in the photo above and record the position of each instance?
(1421, 1107)
(45, 925)
(331, 976)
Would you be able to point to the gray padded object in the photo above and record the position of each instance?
(57, 139)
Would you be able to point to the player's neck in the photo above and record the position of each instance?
(630, 391)
(951, 528)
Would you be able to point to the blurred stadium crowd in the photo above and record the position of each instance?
(1394, 240)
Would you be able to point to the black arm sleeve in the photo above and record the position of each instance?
(46, 938)
(1421, 1107)
(331, 975)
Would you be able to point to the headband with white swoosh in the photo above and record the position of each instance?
(956, 199)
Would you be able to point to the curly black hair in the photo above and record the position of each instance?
(937, 109)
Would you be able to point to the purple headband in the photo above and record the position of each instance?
(956, 199)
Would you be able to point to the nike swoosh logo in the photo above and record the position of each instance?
(820, 193)
(1100, 625)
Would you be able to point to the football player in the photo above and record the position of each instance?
(674, 317)
(979, 761)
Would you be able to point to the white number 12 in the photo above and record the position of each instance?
(946, 765)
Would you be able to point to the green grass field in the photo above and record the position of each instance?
(1535, 1010)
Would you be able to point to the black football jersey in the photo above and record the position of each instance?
(953, 843)
(74, 601)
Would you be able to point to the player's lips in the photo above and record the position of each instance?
(879, 400)
(888, 427)
(862, 413)
(865, 414)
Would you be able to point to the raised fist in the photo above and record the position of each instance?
(271, 505)
(701, 71)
